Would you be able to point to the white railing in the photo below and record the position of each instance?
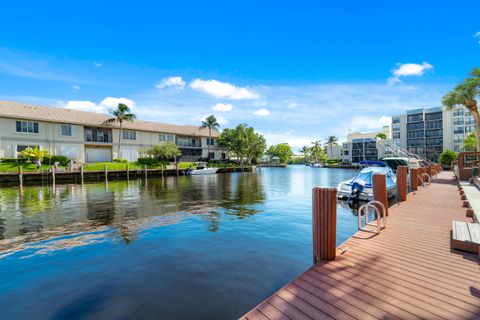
(380, 214)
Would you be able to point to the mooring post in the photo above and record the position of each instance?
(161, 166)
(81, 173)
(20, 175)
(401, 183)
(128, 171)
(106, 173)
(145, 169)
(53, 174)
(324, 223)
(176, 166)
(379, 182)
(414, 179)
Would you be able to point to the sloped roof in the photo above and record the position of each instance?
(18, 110)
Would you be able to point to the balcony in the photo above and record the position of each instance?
(98, 135)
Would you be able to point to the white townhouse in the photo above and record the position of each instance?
(84, 136)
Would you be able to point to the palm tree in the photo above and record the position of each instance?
(381, 135)
(210, 123)
(331, 141)
(465, 94)
(121, 114)
(316, 148)
(305, 150)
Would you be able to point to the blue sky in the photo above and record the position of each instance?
(295, 70)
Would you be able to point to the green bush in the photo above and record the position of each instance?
(14, 160)
(62, 160)
(148, 161)
(120, 160)
(447, 157)
(333, 161)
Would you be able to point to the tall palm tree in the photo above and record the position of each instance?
(210, 123)
(305, 150)
(465, 94)
(331, 141)
(121, 114)
(317, 145)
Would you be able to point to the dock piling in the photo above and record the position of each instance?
(127, 169)
(414, 179)
(81, 173)
(106, 173)
(53, 174)
(380, 191)
(20, 175)
(145, 169)
(402, 183)
(324, 223)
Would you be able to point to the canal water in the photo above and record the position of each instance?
(199, 247)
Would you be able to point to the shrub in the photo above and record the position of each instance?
(62, 160)
(447, 157)
(148, 161)
(14, 160)
(120, 160)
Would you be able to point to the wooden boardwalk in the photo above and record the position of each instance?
(407, 272)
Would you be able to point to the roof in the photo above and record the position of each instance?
(19, 110)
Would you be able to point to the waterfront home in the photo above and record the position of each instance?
(85, 137)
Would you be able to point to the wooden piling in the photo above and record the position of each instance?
(414, 179)
(106, 173)
(463, 197)
(145, 170)
(53, 174)
(161, 166)
(402, 183)
(324, 223)
(20, 175)
(81, 173)
(127, 169)
(465, 204)
(379, 182)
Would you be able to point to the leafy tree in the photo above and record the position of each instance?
(281, 151)
(164, 151)
(470, 142)
(210, 123)
(381, 135)
(465, 94)
(121, 114)
(316, 150)
(243, 143)
(447, 157)
(331, 141)
(305, 150)
(33, 153)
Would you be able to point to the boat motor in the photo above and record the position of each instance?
(357, 189)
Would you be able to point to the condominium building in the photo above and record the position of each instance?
(428, 132)
(85, 137)
(364, 146)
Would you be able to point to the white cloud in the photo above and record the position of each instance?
(84, 106)
(223, 89)
(171, 82)
(98, 64)
(369, 122)
(408, 69)
(292, 105)
(261, 112)
(477, 35)
(222, 107)
(76, 88)
(110, 102)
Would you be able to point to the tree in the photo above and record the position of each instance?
(164, 152)
(33, 153)
(282, 151)
(121, 114)
(305, 150)
(331, 141)
(210, 123)
(243, 143)
(470, 142)
(465, 94)
(316, 149)
(381, 135)
(447, 157)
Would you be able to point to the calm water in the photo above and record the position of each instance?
(202, 247)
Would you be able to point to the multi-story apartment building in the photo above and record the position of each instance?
(428, 132)
(84, 136)
(363, 146)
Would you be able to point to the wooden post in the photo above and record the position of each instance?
(379, 182)
(20, 175)
(324, 223)
(176, 165)
(128, 171)
(161, 166)
(145, 169)
(414, 179)
(53, 174)
(106, 173)
(401, 183)
(429, 171)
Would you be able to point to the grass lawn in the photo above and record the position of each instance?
(100, 166)
(26, 167)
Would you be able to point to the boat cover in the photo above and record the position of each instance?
(366, 174)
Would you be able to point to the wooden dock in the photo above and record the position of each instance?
(408, 271)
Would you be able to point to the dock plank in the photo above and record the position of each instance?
(408, 271)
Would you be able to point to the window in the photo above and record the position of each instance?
(210, 141)
(98, 135)
(167, 137)
(27, 127)
(396, 135)
(211, 155)
(129, 135)
(224, 156)
(66, 130)
(458, 130)
(415, 117)
(457, 112)
(415, 126)
(433, 116)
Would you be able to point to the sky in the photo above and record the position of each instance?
(296, 71)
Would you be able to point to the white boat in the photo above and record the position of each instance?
(360, 186)
(316, 165)
(197, 172)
